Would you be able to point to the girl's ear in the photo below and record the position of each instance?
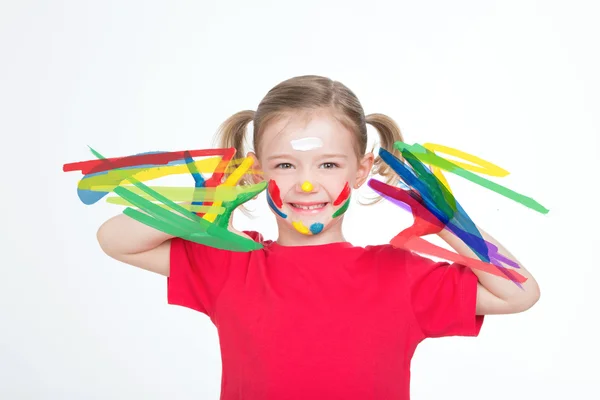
(255, 172)
(364, 169)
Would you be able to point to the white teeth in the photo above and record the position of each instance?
(313, 207)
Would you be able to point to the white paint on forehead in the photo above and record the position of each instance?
(306, 144)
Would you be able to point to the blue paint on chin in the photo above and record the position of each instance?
(274, 208)
(315, 228)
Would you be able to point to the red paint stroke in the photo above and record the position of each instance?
(425, 224)
(106, 164)
(343, 195)
(274, 193)
(95, 166)
(421, 245)
(217, 176)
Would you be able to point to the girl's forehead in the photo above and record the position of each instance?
(319, 133)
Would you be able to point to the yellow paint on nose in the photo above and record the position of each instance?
(307, 186)
(300, 227)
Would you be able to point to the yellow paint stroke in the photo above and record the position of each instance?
(437, 171)
(300, 227)
(481, 166)
(231, 181)
(113, 178)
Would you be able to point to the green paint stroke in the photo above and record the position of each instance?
(119, 201)
(204, 194)
(246, 193)
(428, 157)
(342, 209)
(447, 203)
(188, 226)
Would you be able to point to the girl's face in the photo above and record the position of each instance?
(311, 166)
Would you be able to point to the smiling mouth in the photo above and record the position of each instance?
(311, 208)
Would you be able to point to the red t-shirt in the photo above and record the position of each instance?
(331, 321)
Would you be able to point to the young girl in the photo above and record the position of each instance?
(310, 316)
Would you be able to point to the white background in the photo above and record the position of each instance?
(514, 82)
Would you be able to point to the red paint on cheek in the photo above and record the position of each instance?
(274, 193)
(343, 195)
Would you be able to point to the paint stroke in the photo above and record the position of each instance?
(442, 202)
(99, 181)
(274, 207)
(316, 228)
(273, 191)
(454, 218)
(342, 209)
(300, 227)
(344, 194)
(182, 193)
(231, 181)
(436, 198)
(176, 220)
(306, 144)
(433, 159)
(154, 158)
(426, 223)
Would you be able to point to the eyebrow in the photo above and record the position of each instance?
(276, 156)
(279, 156)
(334, 156)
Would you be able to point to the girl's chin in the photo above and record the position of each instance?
(308, 228)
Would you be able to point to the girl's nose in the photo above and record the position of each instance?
(307, 187)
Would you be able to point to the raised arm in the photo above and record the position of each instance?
(130, 241)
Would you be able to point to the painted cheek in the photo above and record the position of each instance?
(341, 210)
(343, 196)
(274, 199)
(274, 208)
(273, 190)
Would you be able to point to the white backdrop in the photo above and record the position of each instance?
(514, 82)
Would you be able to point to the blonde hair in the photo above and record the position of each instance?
(310, 93)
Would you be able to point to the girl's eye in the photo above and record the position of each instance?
(329, 165)
(284, 166)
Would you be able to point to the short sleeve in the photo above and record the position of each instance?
(197, 274)
(443, 297)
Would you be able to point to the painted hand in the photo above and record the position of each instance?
(433, 207)
(216, 198)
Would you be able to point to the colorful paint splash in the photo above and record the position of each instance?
(276, 204)
(428, 195)
(205, 215)
(202, 213)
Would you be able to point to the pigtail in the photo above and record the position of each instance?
(232, 133)
(389, 133)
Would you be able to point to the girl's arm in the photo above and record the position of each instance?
(496, 295)
(130, 241)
